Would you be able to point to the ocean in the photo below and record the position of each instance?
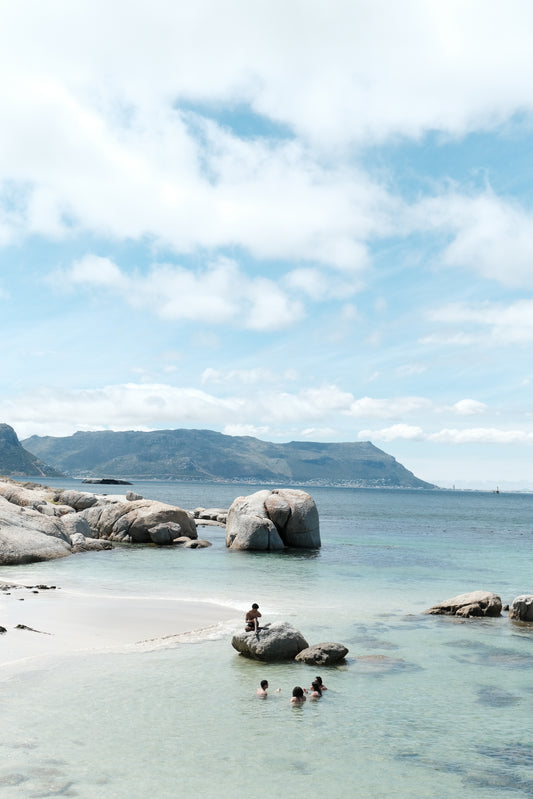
(424, 706)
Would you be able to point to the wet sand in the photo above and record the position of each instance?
(62, 622)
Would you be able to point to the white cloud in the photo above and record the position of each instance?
(115, 407)
(98, 134)
(320, 285)
(388, 408)
(505, 324)
(93, 270)
(491, 236)
(474, 435)
(481, 435)
(219, 293)
(312, 413)
(188, 186)
(245, 430)
(342, 72)
(393, 433)
(153, 405)
(469, 407)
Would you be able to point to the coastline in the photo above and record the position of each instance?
(60, 622)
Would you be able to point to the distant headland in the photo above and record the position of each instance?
(202, 456)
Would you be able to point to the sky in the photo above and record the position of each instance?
(290, 219)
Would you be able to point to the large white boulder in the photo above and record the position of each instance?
(27, 535)
(133, 521)
(270, 520)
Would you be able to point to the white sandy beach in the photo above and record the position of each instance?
(63, 621)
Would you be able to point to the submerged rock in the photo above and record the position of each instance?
(476, 603)
(274, 643)
(199, 543)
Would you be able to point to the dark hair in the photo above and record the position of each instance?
(298, 691)
(255, 606)
(319, 680)
(264, 684)
(316, 687)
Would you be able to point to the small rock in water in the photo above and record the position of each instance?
(325, 654)
(475, 603)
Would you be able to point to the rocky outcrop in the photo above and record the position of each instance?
(15, 460)
(211, 515)
(270, 520)
(41, 523)
(26, 535)
(476, 603)
(139, 522)
(81, 543)
(106, 481)
(131, 496)
(325, 654)
(521, 608)
(274, 643)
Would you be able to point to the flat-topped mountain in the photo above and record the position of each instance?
(204, 455)
(15, 461)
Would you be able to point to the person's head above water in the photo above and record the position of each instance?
(264, 684)
(298, 692)
(255, 606)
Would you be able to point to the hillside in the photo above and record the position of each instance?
(205, 455)
(15, 461)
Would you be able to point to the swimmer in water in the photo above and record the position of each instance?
(298, 697)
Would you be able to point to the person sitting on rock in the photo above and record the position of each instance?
(298, 696)
(316, 691)
(250, 620)
(262, 690)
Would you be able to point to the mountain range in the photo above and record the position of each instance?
(205, 455)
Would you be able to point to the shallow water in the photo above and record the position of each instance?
(424, 706)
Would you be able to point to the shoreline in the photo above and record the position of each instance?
(61, 622)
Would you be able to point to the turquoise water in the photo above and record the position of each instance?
(424, 706)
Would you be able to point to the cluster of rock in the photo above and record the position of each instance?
(40, 523)
(273, 520)
(213, 516)
(484, 603)
(282, 641)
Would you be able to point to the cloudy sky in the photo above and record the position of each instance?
(292, 219)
